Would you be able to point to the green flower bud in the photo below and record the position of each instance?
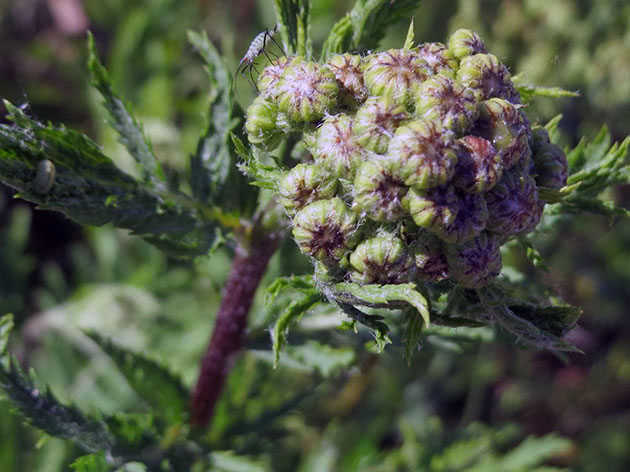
(442, 100)
(306, 92)
(261, 125)
(476, 262)
(326, 230)
(512, 203)
(377, 193)
(479, 167)
(272, 74)
(550, 163)
(428, 252)
(505, 127)
(488, 76)
(376, 121)
(395, 73)
(347, 70)
(464, 42)
(438, 58)
(382, 260)
(452, 216)
(422, 155)
(304, 184)
(335, 147)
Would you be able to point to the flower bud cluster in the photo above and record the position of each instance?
(423, 161)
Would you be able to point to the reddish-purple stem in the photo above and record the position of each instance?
(248, 268)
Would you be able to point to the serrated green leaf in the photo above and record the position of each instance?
(552, 128)
(581, 205)
(41, 408)
(412, 333)
(534, 451)
(261, 175)
(533, 254)
(215, 180)
(410, 36)
(375, 323)
(302, 283)
(316, 357)
(294, 23)
(158, 387)
(91, 190)
(558, 319)
(90, 463)
(365, 25)
(528, 92)
(122, 120)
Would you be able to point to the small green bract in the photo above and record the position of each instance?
(421, 161)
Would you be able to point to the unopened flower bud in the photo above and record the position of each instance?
(347, 70)
(377, 193)
(261, 125)
(479, 167)
(326, 230)
(439, 59)
(304, 184)
(334, 146)
(512, 203)
(272, 74)
(422, 154)
(443, 100)
(504, 126)
(395, 73)
(550, 162)
(306, 92)
(382, 260)
(429, 257)
(464, 42)
(488, 76)
(452, 216)
(376, 121)
(476, 262)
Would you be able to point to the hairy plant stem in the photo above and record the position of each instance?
(248, 268)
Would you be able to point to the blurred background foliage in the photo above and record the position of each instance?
(477, 402)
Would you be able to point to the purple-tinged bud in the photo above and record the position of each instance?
(443, 100)
(479, 167)
(464, 42)
(376, 121)
(326, 230)
(452, 216)
(306, 92)
(428, 252)
(304, 184)
(382, 260)
(512, 203)
(504, 126)
(488, 77)
(334, 146)
(550, 163)
(422, 154)
(272, 74)
(377, 193)
(438, 58)
(476, 262)
(261, 125)
(347, 70)
(395, 73)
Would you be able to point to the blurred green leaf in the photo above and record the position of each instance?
(294, 21)
(228, 462)
(90, 463)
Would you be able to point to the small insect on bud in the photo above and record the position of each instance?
(464, 42)
(504, 126)
(261, 125)
(479, 167)
(438, 58)
(326, 230)
(304, 184)
(428, 252)
(44, 177)
(307, 92)
(334, 146)
(550, 162)
(422, 154)
(452, 216)
(347, 70)
(395, 74)
(376, 121)
(512, 203)
(476, 262)
(485, 74)
(382, 260)
(377, 193)
(443, 100)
